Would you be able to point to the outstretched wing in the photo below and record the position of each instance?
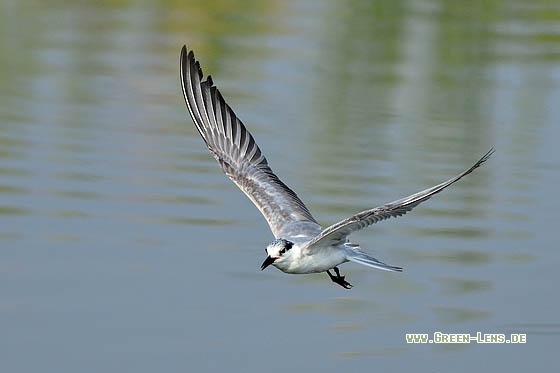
(337, 233)
(237, 152)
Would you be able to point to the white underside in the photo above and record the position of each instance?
(298, 261)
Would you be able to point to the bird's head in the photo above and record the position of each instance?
(276, 251)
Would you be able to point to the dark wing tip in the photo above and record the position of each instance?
(196, 65)
(183, 59)
(484, 158)
(487, 155)
(186, 56)
(188, 59)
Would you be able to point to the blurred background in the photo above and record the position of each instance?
(124, 248)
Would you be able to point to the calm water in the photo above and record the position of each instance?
(124, 248)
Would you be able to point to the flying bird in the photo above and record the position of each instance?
(301, 245)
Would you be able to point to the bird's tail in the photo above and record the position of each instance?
(357, 256)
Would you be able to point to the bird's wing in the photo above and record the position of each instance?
(338, 233)
(237, 152)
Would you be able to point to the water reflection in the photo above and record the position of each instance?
(458, 286)
(469, 257)
(535, 329)
(459, 315)
(114, 216)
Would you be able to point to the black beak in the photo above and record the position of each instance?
(268, 261)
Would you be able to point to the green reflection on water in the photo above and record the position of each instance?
(64, 238)
(460, 232)
(10, 189)
(79, 176)
(176, 199)
(387, 351)
(459, 286)
(453, 256)
(78, 194)
(346, 327)
(457, 315)
(197, 221)
(71, 214)
(14, 172)
(12, 210)
(402, 83)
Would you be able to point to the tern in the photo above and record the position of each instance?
(301, 245)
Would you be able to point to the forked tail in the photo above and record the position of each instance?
(357, 256)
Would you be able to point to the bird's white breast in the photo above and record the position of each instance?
(298, 262)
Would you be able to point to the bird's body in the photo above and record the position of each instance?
(298, 261)
(301, 245)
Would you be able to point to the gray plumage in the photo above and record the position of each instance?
(301, 245)
(338, 233)
(236, 151)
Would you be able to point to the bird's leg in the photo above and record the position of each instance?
(339, 279)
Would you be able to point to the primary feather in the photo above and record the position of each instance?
(339, 232)
(237, 152)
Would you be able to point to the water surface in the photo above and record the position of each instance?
(124, 248)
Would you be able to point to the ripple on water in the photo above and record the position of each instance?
(181, 220)
(14, 211)
(13, 190)
(460, 286)
(174, 199)
(459, 315)
(77, 194)
(14, 172)
(386, 351)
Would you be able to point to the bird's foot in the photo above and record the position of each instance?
(338, 279)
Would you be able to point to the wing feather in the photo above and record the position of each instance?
(338, 233)
(238, 154)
